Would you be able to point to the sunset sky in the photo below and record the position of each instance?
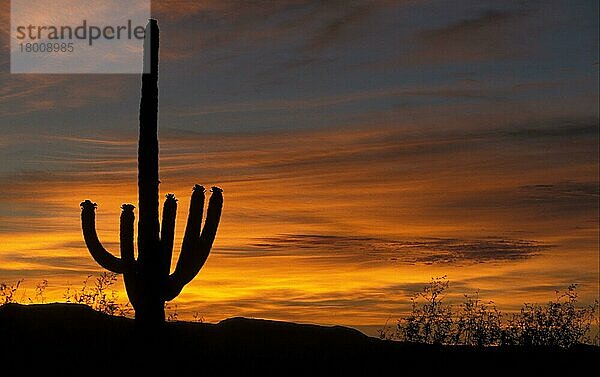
(363, 147)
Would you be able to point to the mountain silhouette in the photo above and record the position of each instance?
(75, 338)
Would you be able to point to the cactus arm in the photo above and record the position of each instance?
(194, 221)
(127, 252)
(98, 252)
(148, 181)
(213, 216)
(167, 234)
(176, 280)
(196, 247)
(126, 235)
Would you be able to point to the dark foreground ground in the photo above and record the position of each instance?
(70, 338)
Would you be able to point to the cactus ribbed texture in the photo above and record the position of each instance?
(148, 280)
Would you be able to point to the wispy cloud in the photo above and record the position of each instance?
(340, 18)
(465, 28)
(464, 92)
(25, 94)
(351, 249)
(492, 34)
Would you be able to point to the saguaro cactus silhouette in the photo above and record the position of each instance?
(148, 280)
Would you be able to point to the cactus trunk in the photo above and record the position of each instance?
(148, 281)
(150, 278)
(148, 226)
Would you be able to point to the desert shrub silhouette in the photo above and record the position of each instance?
(477, 323)
(558, 323)
(100, 296)
(430, 321)
(148, 281)
(8, 292)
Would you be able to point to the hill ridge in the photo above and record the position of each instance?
(71, 337)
